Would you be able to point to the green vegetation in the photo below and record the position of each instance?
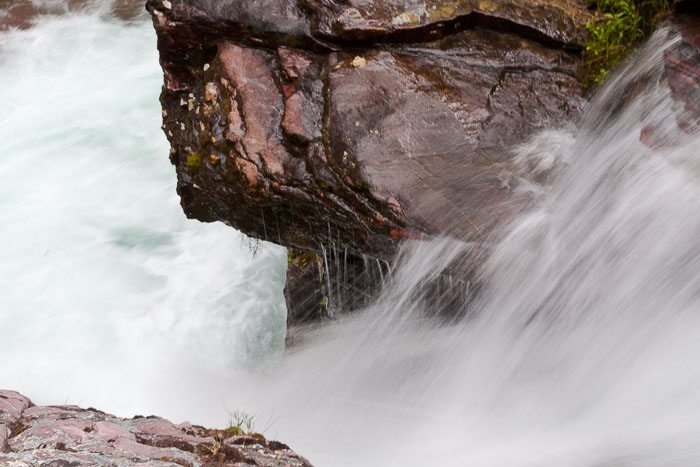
(616, 31)
(194, 163)
(304, 257)
(240, 423)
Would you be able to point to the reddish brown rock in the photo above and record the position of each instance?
(303, 92)
(346, 128)
(430, 135)
(682, 75)
(69, 435)
(21, 13)
(683, 69)
(550, 21)
(322, 147)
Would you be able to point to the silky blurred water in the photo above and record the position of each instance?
(581, 349)
(109, 296)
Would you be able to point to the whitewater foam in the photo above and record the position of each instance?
(108, 296)
(579, 351)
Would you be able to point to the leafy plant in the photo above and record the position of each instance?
(615, 32)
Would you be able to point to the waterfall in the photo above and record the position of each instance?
(580, 346)
(577, 342)
(109, 296)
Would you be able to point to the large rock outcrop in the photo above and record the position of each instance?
(313, 124)
(70, 436)
(341, 127)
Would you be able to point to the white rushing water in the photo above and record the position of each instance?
(580, 351)
(109, 296)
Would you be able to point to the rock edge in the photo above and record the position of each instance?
(67, 435)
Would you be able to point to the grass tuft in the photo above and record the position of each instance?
(240, 423)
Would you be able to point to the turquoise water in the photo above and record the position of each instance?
(109, 296)
(579, 352)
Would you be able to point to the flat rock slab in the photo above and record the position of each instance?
(71, 436)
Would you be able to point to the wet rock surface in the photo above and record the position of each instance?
(341, 128)
(72, 436)
(683, 69)
(303, 290)
(549, 21)
(21, 14)
(316, 124)
(681, 73)
(319, 286)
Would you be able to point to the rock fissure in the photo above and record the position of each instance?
(444, 29)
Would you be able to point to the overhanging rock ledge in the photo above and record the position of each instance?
(344, 127)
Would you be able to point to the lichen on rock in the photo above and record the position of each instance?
(68, 435)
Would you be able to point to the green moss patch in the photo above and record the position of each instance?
(303, 258)
(194, 163)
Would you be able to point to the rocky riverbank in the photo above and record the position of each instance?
(67, 435)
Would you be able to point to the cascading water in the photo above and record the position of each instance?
(108, 295)
(579, 350)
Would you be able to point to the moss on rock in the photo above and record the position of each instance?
(194, 163)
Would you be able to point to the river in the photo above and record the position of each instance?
(581, 349)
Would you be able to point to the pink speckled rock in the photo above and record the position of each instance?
(70, 435)
(12, 405)
(4, 435)
(111, 431)
(159, 427)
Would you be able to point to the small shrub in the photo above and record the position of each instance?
(615, 32)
